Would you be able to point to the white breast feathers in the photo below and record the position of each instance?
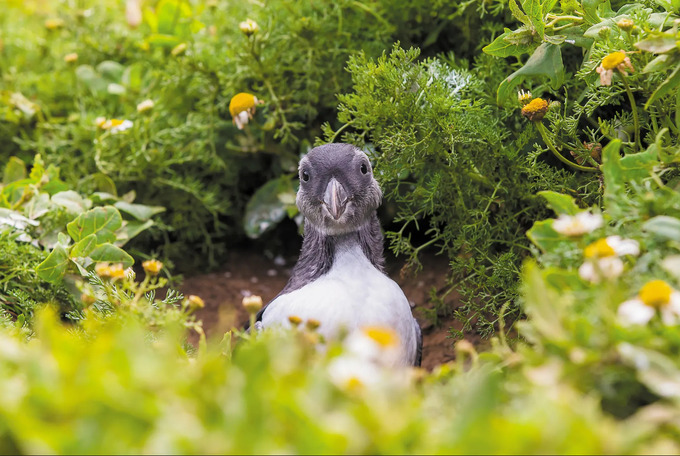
(353, 294)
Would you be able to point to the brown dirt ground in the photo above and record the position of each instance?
(249, 272)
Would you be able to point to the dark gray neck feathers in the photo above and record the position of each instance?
(318, 252)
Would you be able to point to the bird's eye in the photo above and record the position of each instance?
(364, 168)
(305, 176)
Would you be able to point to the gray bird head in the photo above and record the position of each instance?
(338, 192)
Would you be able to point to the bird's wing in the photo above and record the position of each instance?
(419, 344)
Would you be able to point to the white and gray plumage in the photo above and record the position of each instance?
(339, 278)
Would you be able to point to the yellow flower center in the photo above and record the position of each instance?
(599, 249)
(535, 110)
(535, 105)
(656, 293)
(353, 384)
(241, 102)
(384, 337)
(613, 60)
(294, 320)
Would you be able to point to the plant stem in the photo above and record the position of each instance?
(559, 156)
(633, 107)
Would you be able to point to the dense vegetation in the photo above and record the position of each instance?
(532, 142)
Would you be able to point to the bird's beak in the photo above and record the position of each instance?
(335, 198)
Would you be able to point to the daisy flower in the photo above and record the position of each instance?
(655, 296)
(577, 225)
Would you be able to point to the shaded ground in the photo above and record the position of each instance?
(251, 272)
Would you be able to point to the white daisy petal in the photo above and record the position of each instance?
(241, 119)
(349, 372)
(635, 312)
(576, 225)
(623, 246)
(587, 272)
(603, 268)
(670, 314)
(610, 267)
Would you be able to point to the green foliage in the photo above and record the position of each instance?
(37, 209)
(578, 314)
(21, 289)
(111, 389)
(189, 59)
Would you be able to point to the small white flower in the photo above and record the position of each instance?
(604, 268)
(145, 105)
(602, 258)
(377, 344)
(654, 296)
(114, 125)
(352, 373)
(623, 246)
(576, 225)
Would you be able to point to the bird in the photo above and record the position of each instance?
(339, 279)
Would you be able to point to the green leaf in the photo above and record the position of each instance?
(267, 207)
(555, 39)
(636, 167)
(511, 43)
(548, 5)
(93, 81)
(102, 221)
(83, 247)
(663, 226)
(671, 82)
(590, 10)
(15, 170)
(111, 71)
(544, 236)
(560, 203)
(519, 15)
(110, 253)
(139, 211)
(82, 264)
(660, 63)
(130, 229)
(71, 201)
(54, 267)
(611, 168)
(658, 44)
(171, 13)
(545, 61)
(534, 9)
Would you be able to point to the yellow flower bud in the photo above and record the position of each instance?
(54, 23)
(313, 324)
(179, 49)
(252, 304)
(71, 58)
(194, 302)
(145, 105)
(152, 267)
(248, 27)
(626, 24)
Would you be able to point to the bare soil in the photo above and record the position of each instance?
(251, 272)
